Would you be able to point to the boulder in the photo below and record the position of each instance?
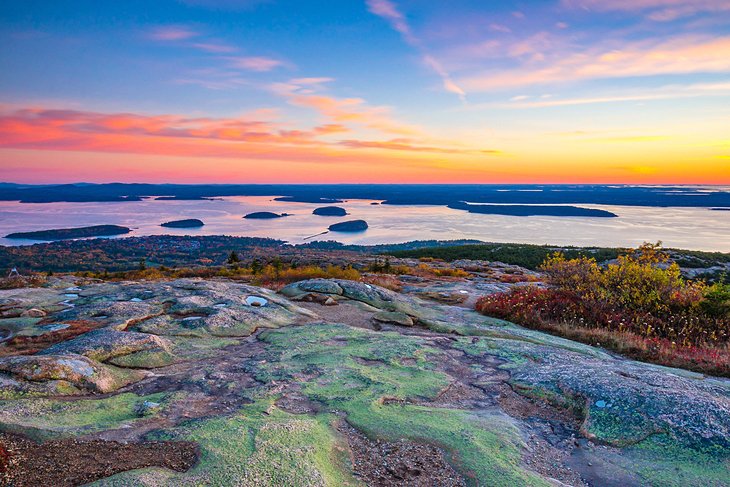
(301, 288)
(122, 348)
(375, 296)
(33, 313)
(62, 374)
(393, 317)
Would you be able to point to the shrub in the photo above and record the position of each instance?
(384, 280)
(716, 301)
(272, 276)
(639, 305)
(14, 282)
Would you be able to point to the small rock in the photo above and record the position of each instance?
(148, 408)
(33, 313)
(395, 317)
(330, 302)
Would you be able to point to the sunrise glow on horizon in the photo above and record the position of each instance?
(365, 91)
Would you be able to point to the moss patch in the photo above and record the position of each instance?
(43, 419)
(260, 445)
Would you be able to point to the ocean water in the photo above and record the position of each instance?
(689, 228)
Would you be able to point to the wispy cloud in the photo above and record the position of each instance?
(352, 110)
(308, 93)
(214, 47)
(225, 4)
(410, 146)
(238, 138)
(660, 93)
(657, 10)
(172, 33)
(255, 63)
(681, 55)
(389, 11)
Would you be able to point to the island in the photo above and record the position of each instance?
(308, 198)
(71, 233)
(189, 223)
(349, 226)
(532, 210)
(186, 198)
(330, 211)
(264, 215)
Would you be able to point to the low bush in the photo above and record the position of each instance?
(639, 305)
(15, 282)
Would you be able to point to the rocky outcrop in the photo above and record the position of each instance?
(122, 348)
(375, 296)
(393, 317)
(254, 370)
(62, 374)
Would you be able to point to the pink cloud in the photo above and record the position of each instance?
(216, 48)
(233, 141)
(658, 10)
(255, 63)
(172, 33)
(689, 54)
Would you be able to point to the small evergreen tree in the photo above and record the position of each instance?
(233, 259)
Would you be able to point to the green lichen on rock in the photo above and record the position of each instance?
(121, 348)
(62, 374)
(259, 445)
(485, 447)
(44, 419)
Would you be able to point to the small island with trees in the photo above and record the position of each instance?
(71, 233)
(264, 215)
(188, 223)
(330, 211)
(349, 226)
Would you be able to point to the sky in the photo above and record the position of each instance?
(365, 91)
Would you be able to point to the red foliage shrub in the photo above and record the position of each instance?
(639, 306)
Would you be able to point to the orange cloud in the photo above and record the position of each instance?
(351, 110)
(407, 145)
(175, 135)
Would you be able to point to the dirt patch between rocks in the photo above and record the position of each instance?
(73, 462)
(401, 463)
